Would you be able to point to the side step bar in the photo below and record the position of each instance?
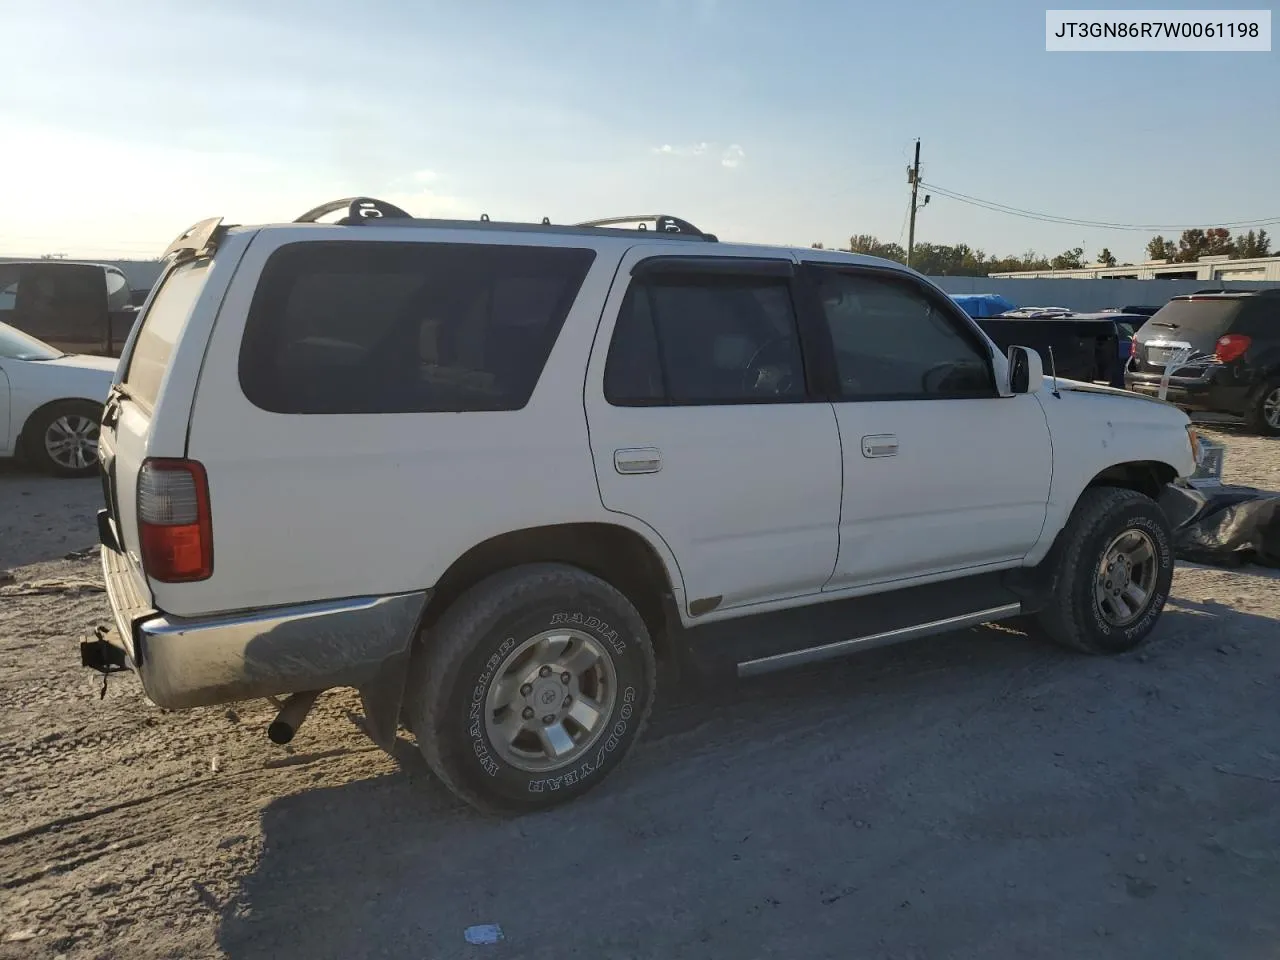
(840, 648)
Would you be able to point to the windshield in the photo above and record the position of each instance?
(16, 345)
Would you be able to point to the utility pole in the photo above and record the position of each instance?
(913, 178)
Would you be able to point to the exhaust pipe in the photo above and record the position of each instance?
(292, 712)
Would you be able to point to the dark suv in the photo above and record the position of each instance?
(1234, 361)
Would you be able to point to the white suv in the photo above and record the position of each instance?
(487, 472)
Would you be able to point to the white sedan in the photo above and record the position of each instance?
(50, 403)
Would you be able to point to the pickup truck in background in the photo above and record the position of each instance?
(1090, 347)
(83, 308)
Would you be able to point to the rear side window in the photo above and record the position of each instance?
(705, 341)
(161, 326)
(405, 327)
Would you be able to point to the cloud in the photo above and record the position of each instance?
(731, 156)
(694, 150)
(424, 176)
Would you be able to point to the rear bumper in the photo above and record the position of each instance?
(1216, 392)
(184, 662)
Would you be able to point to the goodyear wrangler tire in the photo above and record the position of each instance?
(1113, 572)
(531, 688)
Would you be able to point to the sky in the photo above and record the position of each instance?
(122, 123)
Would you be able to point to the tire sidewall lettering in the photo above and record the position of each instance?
(593, 623)
(475, 711)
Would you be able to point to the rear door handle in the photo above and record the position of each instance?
(637, 460)
(880, 445)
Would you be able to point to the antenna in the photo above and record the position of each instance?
(1053, 372)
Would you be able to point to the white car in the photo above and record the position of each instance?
(50, 404)
(488, 473)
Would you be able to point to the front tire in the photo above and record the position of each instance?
(1114, 568)
(62, 438)
(531, 688)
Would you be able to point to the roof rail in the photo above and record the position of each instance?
(359, 210)
(663, 223)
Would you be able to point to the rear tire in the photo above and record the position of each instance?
(1264, 415)
(62, 438)
(502, 731)
(1114, 568)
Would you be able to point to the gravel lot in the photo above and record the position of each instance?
(973, 795)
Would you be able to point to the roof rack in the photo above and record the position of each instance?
(663, 223)
(366, 209)
(359, 210)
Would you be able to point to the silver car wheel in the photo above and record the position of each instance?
(550, 700)
(1126, 578)
(71, 441)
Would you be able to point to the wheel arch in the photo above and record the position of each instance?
(617, 554)
(1147, 477)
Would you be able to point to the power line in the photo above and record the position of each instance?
(994, 207)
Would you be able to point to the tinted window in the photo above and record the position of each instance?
(892, 341)
(405, 327)
(1209, 318)
(63, 303)
(161, 326)
(705, 340)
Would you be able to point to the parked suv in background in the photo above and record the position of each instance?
(486, 473)
(1233, 340)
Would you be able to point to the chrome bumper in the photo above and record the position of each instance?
(361, 642)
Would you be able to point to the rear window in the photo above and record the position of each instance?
(1209, 318)
(161, 326)
(405, 327)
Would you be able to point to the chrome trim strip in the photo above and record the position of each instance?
(828, 651)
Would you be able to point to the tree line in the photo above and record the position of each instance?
(961, 260)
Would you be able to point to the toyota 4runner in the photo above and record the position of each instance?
(489, 473)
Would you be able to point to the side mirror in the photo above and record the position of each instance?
(1026, 371)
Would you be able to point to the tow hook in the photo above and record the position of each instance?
(102, 655)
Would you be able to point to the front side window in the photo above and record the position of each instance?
(893, 341)
(405, 327)
(694, 340)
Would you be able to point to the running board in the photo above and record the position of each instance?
(828, 651)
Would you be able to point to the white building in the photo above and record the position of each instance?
(1205, 269)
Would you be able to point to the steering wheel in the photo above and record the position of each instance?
(755, 368)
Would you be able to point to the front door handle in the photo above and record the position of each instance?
(637, 460)
(880, 445)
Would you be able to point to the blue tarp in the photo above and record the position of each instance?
(979, 305)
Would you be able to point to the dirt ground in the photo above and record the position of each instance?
(973, 795)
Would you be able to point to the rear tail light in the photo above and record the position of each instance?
(174, 523)
(1231, 347)
(1133, 349)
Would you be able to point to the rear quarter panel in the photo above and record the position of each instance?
(311, 507)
